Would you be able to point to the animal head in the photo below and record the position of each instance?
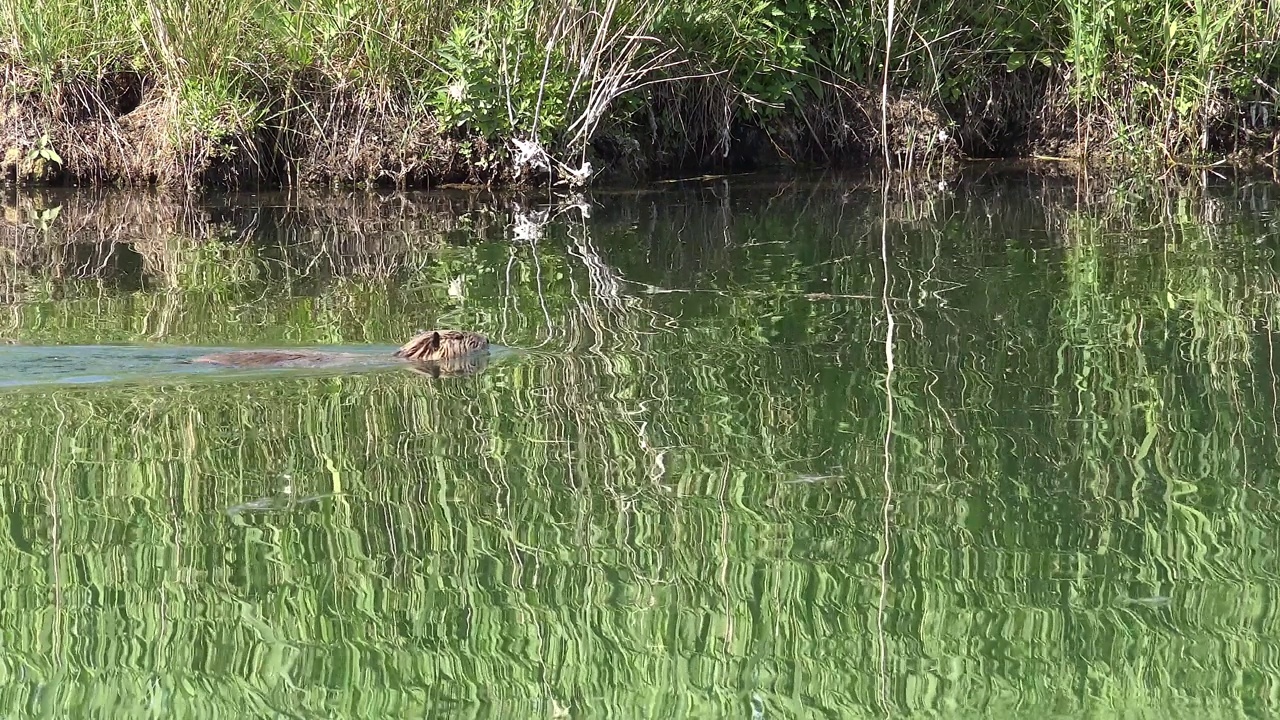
(436, 345)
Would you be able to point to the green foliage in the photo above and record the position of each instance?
(492, 62)
(528, 67)
(213, 110)
(43, 150)
(760, 44)
(1170, 66)
(60, 38)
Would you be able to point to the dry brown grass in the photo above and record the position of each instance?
(124, 129)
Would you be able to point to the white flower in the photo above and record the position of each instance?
(457, 90)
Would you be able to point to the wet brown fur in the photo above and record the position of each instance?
(270, 358)
(434, 345)
(434, 352)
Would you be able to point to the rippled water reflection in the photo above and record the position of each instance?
(686, 499)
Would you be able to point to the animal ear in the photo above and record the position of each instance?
(428, 344)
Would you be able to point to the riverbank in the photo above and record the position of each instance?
(244, 93)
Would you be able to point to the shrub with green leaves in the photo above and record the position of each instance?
(1176, 73)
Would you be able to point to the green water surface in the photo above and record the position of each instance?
(794, 449)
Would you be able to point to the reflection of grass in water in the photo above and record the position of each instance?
(1153, 371)
(455, 498)
(558, 513)
(607, 523)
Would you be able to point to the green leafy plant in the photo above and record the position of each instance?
(497, 77)
(43, 151)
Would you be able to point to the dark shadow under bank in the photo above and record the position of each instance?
(124, 130)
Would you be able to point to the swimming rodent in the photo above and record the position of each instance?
(433, 352)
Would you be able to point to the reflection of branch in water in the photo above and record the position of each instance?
(604, 279)
(588, 315)
(888, 438)
(656, 290)
(527, 225)
(542, 297)
(604, 282)
(508, 296)
(602, 286)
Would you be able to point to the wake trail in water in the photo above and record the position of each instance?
(27, 365)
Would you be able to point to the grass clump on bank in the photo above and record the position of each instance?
(411, 91)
